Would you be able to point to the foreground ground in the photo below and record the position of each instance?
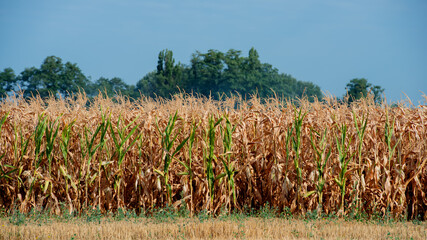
(200, 228)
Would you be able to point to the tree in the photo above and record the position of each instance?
(210, 74)
(234, 73)
(253, 81)
(309, 90)
(206, 72)
(165, 80)
(30, 81)
(7, 81)
(147, 85)
(215, 73)
(168, 74)
(358, 88)
(111, 87)
(53, 78)
(377, 91)
(72, 80)
(50, 75)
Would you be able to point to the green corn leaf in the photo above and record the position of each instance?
(309, 194)
(184, 165)
(127, 149)
(219, 176)
(116, 143)
(159, 172)
(180, 146)
(170, 144)
(225, 166)
(338, 182)
(132, 122)
(129, 135)
(2, 121)
(5, 174)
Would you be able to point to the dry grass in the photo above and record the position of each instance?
(120, 154)
(249, 228)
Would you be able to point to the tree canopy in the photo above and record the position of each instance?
(215, 73)
(53, 78)
(110, 87)
(211, 74)
(359, 88)
(7, 81)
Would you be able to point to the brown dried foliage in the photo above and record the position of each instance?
(397, 184)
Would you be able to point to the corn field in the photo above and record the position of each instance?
(217, 156)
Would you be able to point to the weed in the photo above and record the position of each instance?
(167, 214)
(312, 215)
(93, 215)
(203, 216)
(267, 212)
(17, 218)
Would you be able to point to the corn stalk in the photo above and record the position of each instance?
(23, 148)
(288, 148)
(210, 158)
(343, 160)
(188, 166)
(91, 149)
(388, 137)
(120, 151)
(38, 138)
(360, 129)
(230, 171)
(51, 134)
(2, 121)
(167, 145)
(65, 140)
(322, 152)
(4, 173)
(296, 143)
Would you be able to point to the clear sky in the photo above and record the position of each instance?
(327, 42)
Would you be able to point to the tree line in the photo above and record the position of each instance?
(211, 74)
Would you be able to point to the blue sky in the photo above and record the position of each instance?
(326, 42)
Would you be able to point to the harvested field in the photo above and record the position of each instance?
(250, 228)
(215, 156)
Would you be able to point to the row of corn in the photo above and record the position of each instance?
(218, 156)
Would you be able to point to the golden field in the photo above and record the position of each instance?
(250, 228)
(215, 156)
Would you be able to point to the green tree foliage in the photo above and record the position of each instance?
(111, 87)
(165, 81)
(168, 74)
(206, 72)
(29, 81)
(215, 73)
(53, 78)
(234, 72)
(377, 91)
(359, 88)
(147, 85)
(253, 77)
(7, 81)
(72, 79)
